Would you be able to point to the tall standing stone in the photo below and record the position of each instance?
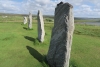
(30, 21)
(61, 39)
(25, 20)
(41, 31)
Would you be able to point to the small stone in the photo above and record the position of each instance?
(41, 31)
(25, 20)
(30, 21)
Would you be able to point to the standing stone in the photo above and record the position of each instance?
(25, 20)
(30, 21)
(61, 39)
(41, 31)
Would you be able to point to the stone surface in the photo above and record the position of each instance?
(30, 21)
(25, 20)
(61, 38)
(41, 31)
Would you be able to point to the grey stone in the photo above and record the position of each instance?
(61, 38)
(25, 20)
(30, 21)
(41, 31)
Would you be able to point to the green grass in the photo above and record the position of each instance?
(87, 30)
(19, 46)
(86, 46)
(85, 20)
(85, 51)
(11, 19)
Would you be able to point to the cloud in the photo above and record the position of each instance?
(82, 8)
(42, 2)
(47, 6)
(8, 6)
(74, 2)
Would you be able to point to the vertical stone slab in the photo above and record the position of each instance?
(30, 21)
(25, 20)
(61, 39)
(41, 31)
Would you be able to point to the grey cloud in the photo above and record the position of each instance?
(81, 7)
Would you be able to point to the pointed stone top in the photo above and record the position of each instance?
(38, 10)
(29, 13)
(61, 3)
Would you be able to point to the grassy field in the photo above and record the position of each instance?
(47, 18)
(86, 46)
(19, 46)
(86, 20)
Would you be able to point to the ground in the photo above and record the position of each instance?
(19, 46)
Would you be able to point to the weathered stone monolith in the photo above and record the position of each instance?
(25, 20)
(41, 31)
(62, 33)
(30, 21)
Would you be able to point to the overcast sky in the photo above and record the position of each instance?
(82, 8)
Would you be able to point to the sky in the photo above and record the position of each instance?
(81, 8)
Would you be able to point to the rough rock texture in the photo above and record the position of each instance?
(61, 39)
(41, 31)
(25, 20)
(30, 21)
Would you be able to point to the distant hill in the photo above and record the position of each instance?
(12, 14)
(49, 16)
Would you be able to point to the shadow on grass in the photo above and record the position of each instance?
(35, 40)
(38, 56)
(29, 38)
(25, 28)
(73, 63)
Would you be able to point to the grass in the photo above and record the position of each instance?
(86, 46)
(19, 46)
(86, 20)
(11, 19)
(85, 51)
(87, 30)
